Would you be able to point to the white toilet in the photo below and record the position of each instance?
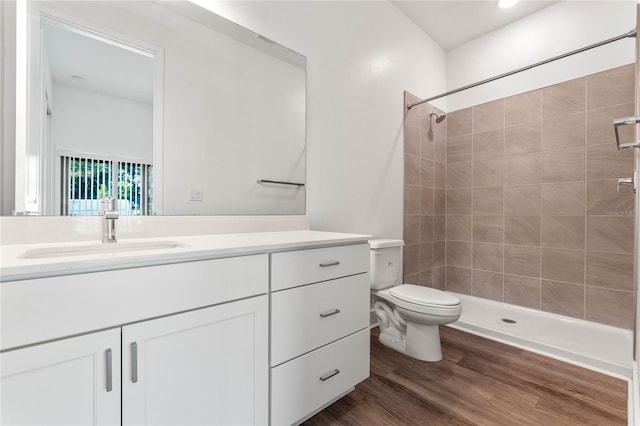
(408, 315)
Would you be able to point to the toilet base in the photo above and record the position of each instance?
(420, 342)
(423, 342)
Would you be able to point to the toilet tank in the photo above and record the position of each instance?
(386, 263)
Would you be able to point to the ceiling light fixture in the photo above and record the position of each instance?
(504, 4)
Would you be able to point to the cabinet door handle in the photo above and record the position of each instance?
(109, 370)
(134, 362)
(328, 314)
(334, 263)
(329, 375)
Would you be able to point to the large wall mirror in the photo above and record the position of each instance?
(169, 107)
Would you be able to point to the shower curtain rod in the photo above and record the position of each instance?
(631, 33)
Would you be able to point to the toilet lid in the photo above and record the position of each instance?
(424, 295)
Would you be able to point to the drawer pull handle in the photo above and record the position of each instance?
(329, 375)
(134, 362)
(109, 370)
(328, 314)
(334, 263)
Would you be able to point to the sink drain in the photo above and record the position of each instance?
(509, 320)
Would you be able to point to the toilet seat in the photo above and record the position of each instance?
(424, 300)
(424, 296)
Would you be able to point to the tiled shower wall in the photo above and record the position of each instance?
(533, 217)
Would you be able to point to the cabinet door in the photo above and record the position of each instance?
(74, 381)
(208, 366)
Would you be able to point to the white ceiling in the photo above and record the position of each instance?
(452, 23)
(98, 66)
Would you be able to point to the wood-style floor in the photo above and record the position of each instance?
(479, 382)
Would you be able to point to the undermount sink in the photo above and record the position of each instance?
(93, 249)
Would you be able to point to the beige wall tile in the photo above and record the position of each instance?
(522, 260)
(488, 116)
(427, 173)
(411, 170)
(522, 230)
(458, 227)
(563, 199)
(426, 201)
(522, 291)
(563, 232)
(427, 145)
(522, 169)
(439, 226)
(522, 200)
(562, 298)
(488, 257)
(607, 162)
(458, 254)
(604, 199)
(440, 175)
(414, 115)
(440, 149)
(564, 132)
(487, 201)
(563, 265)
(411, 279)
(459, 123)
(488, 144)
(411, 199)
(411, 234)
(438, 276)
(489, 229)
(426, 257)
(487, 173)
(439, 252)
(458, 280)
(487, 285)
(425, 278)
(459, 175)
(411, 259)
(523, 108)
(412, 140)
(610, 234)
(611, 307)
(523, 138)
(563, 165)
(459, 149)
(440, 201)
(459, 201)
(426, 233)
(612, 87)
(610, 270)
(600, 122)
(564, 98)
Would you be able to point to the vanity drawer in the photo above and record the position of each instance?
(294, 268)
(75, 304)
(301, 386)
(304, 318)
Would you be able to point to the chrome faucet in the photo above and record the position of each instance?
(110, 213)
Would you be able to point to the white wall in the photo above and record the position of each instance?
(361, 56)
(557, 29)
(94, 123)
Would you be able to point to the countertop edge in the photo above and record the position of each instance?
(89, 264)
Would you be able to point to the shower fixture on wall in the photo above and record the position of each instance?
(439, 119)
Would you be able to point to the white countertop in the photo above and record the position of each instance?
(13, 267)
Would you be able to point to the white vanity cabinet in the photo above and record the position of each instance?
(194, 335)
(205, 367)
(319, 328)
(74, 381)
